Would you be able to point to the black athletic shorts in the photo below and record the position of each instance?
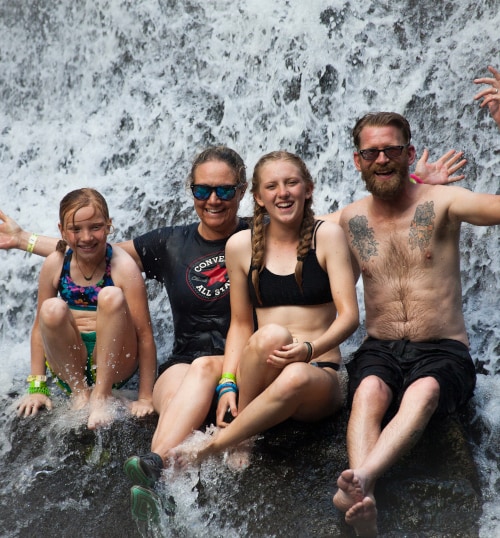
(174, 360)
(400, 362)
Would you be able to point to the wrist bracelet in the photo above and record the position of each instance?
(31, 243)
(37, 379)
(227, 375)
(309, 351)
(38, 387)
(223, 388)
(415, 179)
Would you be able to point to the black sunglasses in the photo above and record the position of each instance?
(223, 192)
(391, 152)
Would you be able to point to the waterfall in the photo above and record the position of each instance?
(120, 95)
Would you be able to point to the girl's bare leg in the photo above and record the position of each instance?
(115, 353)
(65, 351)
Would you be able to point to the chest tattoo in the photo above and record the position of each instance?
(363, 238)
(422, 226)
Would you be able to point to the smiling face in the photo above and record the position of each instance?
(85, 230)
(282, 190)
(385, 178)
(218, 217)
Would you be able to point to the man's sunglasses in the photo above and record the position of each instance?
(391, 152)
(223, 192)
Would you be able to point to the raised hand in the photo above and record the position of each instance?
(490, 96)
(10, 232)
(440, 172)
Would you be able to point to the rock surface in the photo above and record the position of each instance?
(63, 480)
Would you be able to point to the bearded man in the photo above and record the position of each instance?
(415, 362)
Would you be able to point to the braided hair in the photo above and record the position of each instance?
(260, 214)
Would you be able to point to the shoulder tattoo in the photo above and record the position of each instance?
(362, 237)
(422, 226)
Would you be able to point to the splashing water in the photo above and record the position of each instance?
(121, 95)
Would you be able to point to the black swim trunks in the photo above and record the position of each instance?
(400, 362)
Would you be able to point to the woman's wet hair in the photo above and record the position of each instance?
(222, 154)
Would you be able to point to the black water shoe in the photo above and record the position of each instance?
(144, 470)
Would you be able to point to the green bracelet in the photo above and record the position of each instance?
(38, 387)
(227, 375)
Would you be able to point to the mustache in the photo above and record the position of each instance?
(381, 170)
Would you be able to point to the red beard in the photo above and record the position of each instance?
(385, 189)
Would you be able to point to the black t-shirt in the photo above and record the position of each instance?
(193, 271)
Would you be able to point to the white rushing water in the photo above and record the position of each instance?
(120, 96)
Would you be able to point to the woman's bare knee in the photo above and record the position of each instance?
(293, 381)
(209, 367)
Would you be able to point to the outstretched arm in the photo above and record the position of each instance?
(13, 236)
(440, 172)
(490, 96)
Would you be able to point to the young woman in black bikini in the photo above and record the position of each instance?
(296, 273)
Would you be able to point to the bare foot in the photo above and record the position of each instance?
(193, 450)
(238, 458)
(102, 412)
(363, 517)
(80, 399)
(351, 490)
(187, 456)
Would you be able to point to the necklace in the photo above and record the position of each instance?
(88, 278)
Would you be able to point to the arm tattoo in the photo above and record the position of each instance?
(422, 226)
(363, 239)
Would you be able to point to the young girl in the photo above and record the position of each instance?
(296, 272)
(92, 327)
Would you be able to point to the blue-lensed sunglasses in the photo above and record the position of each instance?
(223, 192)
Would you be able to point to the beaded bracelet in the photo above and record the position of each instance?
(31, 243)
(38, 387)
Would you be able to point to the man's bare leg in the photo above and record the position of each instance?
(370, 403)
(402, 433)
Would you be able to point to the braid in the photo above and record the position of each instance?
(306, 234)
(258, 247)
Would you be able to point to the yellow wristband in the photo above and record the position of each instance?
(37, 380)
(31, 243)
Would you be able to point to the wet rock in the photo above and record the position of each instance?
(64, 480)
